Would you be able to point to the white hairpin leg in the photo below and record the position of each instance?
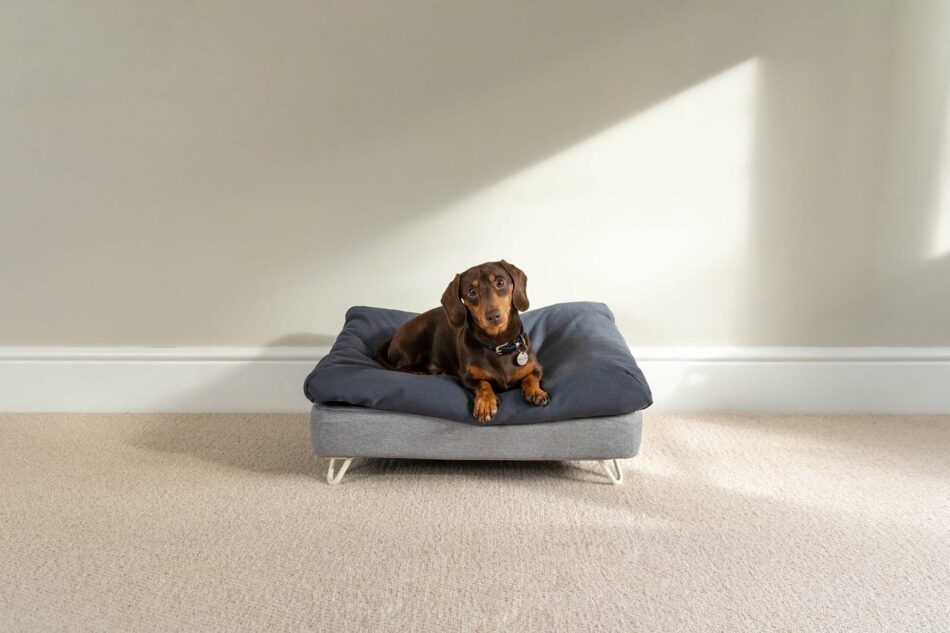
(334, 479)
(617, 478)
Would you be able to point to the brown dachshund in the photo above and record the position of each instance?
(475, 336)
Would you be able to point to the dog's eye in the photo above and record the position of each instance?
(500, 283)
(472, 293)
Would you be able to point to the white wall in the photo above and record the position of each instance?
(720, 173)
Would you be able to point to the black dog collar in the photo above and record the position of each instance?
(519, 343)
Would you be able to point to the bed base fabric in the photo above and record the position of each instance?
(344, 432)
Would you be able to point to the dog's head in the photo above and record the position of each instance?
(491, 293)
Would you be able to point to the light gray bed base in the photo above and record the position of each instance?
(344, 432)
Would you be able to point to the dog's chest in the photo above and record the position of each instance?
(508, 373)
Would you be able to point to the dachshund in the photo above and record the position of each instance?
(476, 336)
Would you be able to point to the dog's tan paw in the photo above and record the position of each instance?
(537, 396)
(485, 407)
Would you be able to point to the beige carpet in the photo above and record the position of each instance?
(224, 523)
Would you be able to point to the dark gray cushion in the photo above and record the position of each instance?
(588, 370)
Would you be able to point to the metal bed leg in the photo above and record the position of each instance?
(332, 478)
(615, 474)
(617, 478)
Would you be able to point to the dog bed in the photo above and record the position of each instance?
(597, 390)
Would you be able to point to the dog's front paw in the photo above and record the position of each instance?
(537, 396)
(485, 407)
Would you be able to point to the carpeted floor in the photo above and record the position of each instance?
(224, 523)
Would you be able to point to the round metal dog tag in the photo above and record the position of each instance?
(522, 358)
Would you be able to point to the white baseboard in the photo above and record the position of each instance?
(844, 379)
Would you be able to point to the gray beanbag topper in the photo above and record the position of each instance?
(588, 370)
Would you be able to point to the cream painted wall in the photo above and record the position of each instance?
(720, 173)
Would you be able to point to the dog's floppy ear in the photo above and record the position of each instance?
(520, 293)
(452, 304)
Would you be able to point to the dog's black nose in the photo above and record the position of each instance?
(494, 316)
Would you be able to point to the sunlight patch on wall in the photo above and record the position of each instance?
(649, 215)
(941, 239)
